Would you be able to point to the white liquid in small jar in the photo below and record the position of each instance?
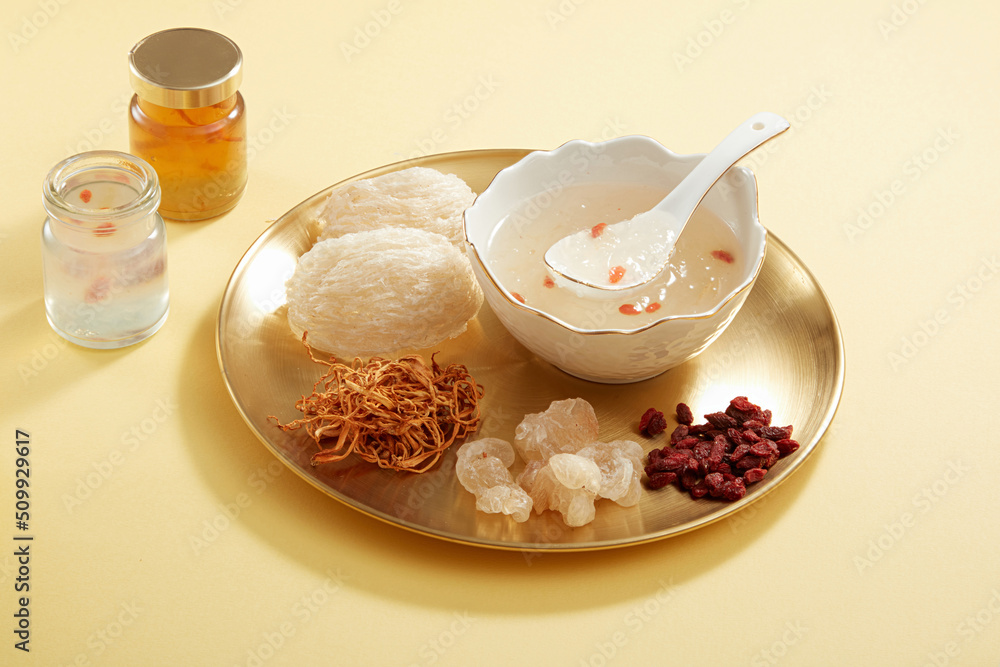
(105, 283)
(705, 266)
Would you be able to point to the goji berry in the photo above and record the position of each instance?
(699, 490)
(687, 443)
(740, 451)
(736, 436)
(775, 432)
(742, 410)
(749, 461)
(672, 463)
(652, 423)
(723, 255)
(684, 414)
(692, 465)
(769, 460)
(721, 421)
(743, 404)
(734, 490)
(661, 479)
(786, 446)
(689, 478)
(702, 450)
(714, 482)
(763, 448)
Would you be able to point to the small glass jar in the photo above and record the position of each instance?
(104, 250)
(188, 119)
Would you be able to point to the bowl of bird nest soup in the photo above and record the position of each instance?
(613, 337)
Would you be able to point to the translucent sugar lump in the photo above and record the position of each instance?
(483, 469)
(565, 427)
(620, 463)
(566, 483)
(567, 468)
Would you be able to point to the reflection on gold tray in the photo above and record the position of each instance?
(784, 351)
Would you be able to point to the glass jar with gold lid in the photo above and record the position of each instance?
(188, 120)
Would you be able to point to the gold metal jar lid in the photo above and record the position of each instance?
(185, 68)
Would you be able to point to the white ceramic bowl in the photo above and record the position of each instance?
(613, 355)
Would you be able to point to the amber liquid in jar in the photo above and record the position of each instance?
(200, 155)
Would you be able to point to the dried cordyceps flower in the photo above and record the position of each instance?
(399, 414)
(652, 422)
(722, 456)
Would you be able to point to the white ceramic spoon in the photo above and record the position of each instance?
(642, 246)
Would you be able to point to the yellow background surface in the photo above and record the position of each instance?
(881, 550)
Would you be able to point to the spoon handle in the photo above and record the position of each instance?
(747, 136)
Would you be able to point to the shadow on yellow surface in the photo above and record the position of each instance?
(326, 536)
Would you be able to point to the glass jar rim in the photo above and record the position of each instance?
(145, 202)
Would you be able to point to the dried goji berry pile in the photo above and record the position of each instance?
(720, 457)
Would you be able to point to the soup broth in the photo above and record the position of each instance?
(705, 266)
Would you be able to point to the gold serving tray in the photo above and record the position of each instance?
(784, 351)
